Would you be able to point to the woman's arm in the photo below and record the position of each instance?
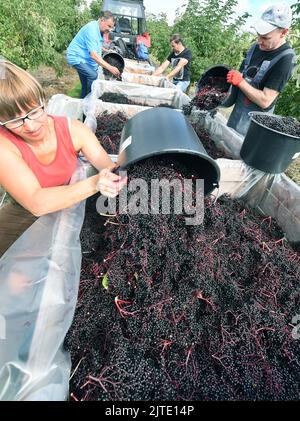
(86, 142)
(21, 183)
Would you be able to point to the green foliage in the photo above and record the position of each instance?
(37, 31)
(75, 92)
(160, 33)
(208, 28)
(105, 281)
(25, 33)
(289, 101)
(95, 8)
(211, 31)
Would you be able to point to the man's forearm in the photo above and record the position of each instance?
(161, 69)
(99, 60)
(174, 72)
(254, 95)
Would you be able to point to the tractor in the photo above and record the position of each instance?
(130, 36)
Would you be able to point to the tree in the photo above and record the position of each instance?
(214, 35)
(289, 101)
(34, 32)
(160, 33)
(95, 8)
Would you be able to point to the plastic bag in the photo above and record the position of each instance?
(141, 95)
(159, 81)
(271, 194)
(224, 137)
(133, 66)
(65, 106)
(39, 278)
(93, 109)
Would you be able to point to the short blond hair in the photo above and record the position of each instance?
(19, 91)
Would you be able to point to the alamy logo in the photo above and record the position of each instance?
(296, 330)
(2, 327)
(154, 199)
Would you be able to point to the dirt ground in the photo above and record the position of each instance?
(53, 84)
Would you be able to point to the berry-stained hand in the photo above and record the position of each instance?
(110, 184)
(234, 77)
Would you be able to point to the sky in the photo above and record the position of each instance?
(254, 7)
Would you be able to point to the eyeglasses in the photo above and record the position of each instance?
(18, 122)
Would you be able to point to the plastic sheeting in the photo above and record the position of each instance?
(158, 81)
(141, 95)
(274, 195)
(93, 109)
(133, 66)
(225, 138)
(66, 106)
(39, 278)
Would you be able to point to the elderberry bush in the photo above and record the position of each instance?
(198, 312)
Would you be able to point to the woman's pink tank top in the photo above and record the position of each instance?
(60, 170)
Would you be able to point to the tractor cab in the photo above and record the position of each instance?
(130, 24)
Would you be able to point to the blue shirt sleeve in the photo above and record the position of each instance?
(92, 39)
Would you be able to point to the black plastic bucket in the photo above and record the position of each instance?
(160, 131)
(219, 70)
(266, 149)
(114, 59)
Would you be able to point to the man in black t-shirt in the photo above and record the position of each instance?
(180, 60)
(265, 70)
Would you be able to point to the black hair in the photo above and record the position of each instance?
(176, 38)
(106, 14)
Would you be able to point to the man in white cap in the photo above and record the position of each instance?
(266, 69)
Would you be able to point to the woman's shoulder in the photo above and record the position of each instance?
(78, 127)
(78, 132)
(6, 142)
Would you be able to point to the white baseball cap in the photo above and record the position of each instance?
(276, 16)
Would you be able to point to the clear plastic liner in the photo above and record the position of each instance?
(158, 81)
(133, 66)
(65, 106)
(93, 109)
(224, 137)
(39, 278)
(140, 94)
(274, 195)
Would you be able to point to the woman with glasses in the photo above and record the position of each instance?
(38, 155)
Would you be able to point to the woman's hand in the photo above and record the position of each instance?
(110, 184)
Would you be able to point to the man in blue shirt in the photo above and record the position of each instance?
(84, 51)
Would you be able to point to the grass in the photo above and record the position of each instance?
(75, 92)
